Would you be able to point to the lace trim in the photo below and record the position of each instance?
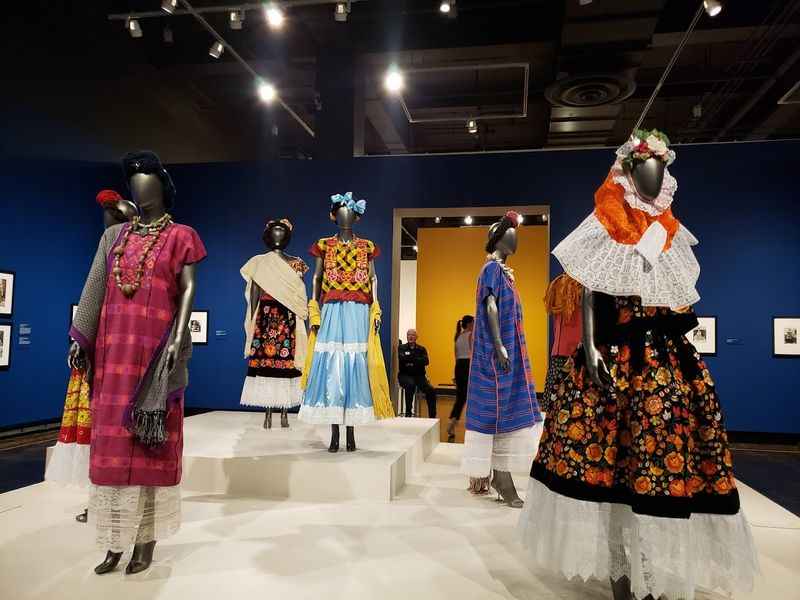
(272, 392)
(512, 451)
(69, 464)
(661, 556)
(659, 205)
(596, 261)
(336, 415)
(350, 348)
(134, 514)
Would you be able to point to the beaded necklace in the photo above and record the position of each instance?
(152, 231)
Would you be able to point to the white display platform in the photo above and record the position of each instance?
(231, 453)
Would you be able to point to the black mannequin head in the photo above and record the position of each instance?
(648, 177)
(121, 211)
(148, 192)
(146, 162)
(503, 235)
(344, 217)
(277, 234)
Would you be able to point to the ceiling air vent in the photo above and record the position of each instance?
(596, 89)
(792, 96)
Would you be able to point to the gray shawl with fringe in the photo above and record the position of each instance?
(147, 409)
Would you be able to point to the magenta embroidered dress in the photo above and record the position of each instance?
(129, 333)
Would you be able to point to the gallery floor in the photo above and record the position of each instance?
(433, 540)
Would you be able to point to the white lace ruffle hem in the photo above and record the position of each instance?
(336, 415)
(512, 451)
(134, 514)
(661, 556)
(597, 262)
(271, 392)
(69, 464)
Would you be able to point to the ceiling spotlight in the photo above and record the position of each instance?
(713, 7)
(445, 7)
(448, 7)
(133, 27)
(267, 92)
(236, 19)
(169, 6)
(472, 126)
(216, 50)
(274, 15)
(167, 35)
(468, 220)
(438, 220)
(416, 248)
(341, 11)
(394, 81)
(584, 2)
(697, 111)
(544, 218)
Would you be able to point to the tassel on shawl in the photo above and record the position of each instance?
(150, 427)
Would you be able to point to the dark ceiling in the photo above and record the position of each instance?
(534, 73)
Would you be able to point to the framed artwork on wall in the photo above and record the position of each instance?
(704, 336)
(5, 347)
(785, 331)
(6, 293)
(198, 327)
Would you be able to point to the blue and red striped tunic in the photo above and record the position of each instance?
(500, 401)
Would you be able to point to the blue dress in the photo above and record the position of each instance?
(501, 405)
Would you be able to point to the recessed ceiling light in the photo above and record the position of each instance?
(394, 81)
(468, 220)
(438, 219)
(267, 92)
(274, 15)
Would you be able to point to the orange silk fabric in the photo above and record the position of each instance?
(626, 224)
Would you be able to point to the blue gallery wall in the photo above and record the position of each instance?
(737, 199)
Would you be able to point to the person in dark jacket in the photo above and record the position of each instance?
(413, 360)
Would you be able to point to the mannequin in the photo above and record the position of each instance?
(501, 400)
(133, 466)
(276, 334)
(70, 461)
(635, 448)
(345, 379)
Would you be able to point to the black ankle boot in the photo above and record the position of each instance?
(351, 438)
(141, 558)
(621, 588)
(83, 517)
(334, 447)
(109, 564)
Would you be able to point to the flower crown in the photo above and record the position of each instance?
(106, 198)
(346, 200)
(643, 145)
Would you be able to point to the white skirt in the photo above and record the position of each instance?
(271, 392)
(512, 451)
(661, 556)
(69, 464)
(134, 514)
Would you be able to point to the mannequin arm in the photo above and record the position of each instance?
(187, 289)
(595, 363)
(493, 314)
(255, 296)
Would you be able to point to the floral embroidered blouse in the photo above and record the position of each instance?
(346, 269)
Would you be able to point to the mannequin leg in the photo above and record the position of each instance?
(503, 484)
(351, 438)
(268, 418)
(284, 417)
(109, 564)
(621, 588)
(334, 447)
(143, 550)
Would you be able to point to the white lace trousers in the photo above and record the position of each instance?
(513, 451)
(134, 514)
(661, 556)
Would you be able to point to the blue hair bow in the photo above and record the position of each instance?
(346, 200)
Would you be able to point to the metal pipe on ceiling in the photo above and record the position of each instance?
(220, 8)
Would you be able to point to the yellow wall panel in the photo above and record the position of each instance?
(448, 263)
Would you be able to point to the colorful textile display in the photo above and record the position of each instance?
(276, 339)
(69, 462)
(563, 303)
(337, 388)
(126, 336)
(501, 405)
(637, 480)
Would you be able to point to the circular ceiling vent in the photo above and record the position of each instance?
(590, 90)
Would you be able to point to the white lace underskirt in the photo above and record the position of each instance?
(661, 556)
(134, 514)
(600, 264)
(69, 464)
(512, 451)
(336, 415)
(272, 392)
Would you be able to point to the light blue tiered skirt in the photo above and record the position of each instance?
(337, 391)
